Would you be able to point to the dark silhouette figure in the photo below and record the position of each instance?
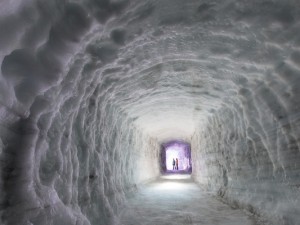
(176, 164)
(173, 164)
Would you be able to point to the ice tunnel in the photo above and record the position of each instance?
(90, 90)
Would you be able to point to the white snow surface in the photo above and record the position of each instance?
(176, 199)
(90, 89)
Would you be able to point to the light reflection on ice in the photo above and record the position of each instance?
(169, 186)
(176, 199)
(176, 177)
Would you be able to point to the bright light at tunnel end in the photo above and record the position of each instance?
(173, 152)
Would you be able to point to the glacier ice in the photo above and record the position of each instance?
(176, 199)
(91, 89)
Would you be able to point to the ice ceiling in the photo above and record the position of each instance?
(90, 89)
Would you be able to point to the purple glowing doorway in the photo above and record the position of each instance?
(176, 149)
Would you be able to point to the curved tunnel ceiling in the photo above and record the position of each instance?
(167, 65)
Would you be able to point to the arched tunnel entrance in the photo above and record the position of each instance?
(175, 153)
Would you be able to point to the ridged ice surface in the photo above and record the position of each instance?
(90, 89)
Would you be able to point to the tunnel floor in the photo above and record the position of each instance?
(177, 199)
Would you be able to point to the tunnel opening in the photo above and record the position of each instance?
(176, 157)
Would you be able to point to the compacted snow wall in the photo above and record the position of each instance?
(68, 154)
(248, 153)
(72, 166)
(72, 160)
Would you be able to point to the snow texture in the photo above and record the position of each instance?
(90, 89)
(176, 199)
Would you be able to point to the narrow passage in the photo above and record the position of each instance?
(176, 199)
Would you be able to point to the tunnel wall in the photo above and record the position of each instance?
(69, 155)
(72, 165)
(248, 153)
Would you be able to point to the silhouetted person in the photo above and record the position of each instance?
(173, 163)
(176, 164)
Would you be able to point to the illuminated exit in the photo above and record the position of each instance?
(176, 153)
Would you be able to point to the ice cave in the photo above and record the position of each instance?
(98, 96)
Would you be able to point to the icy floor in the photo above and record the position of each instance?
(176, 199)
